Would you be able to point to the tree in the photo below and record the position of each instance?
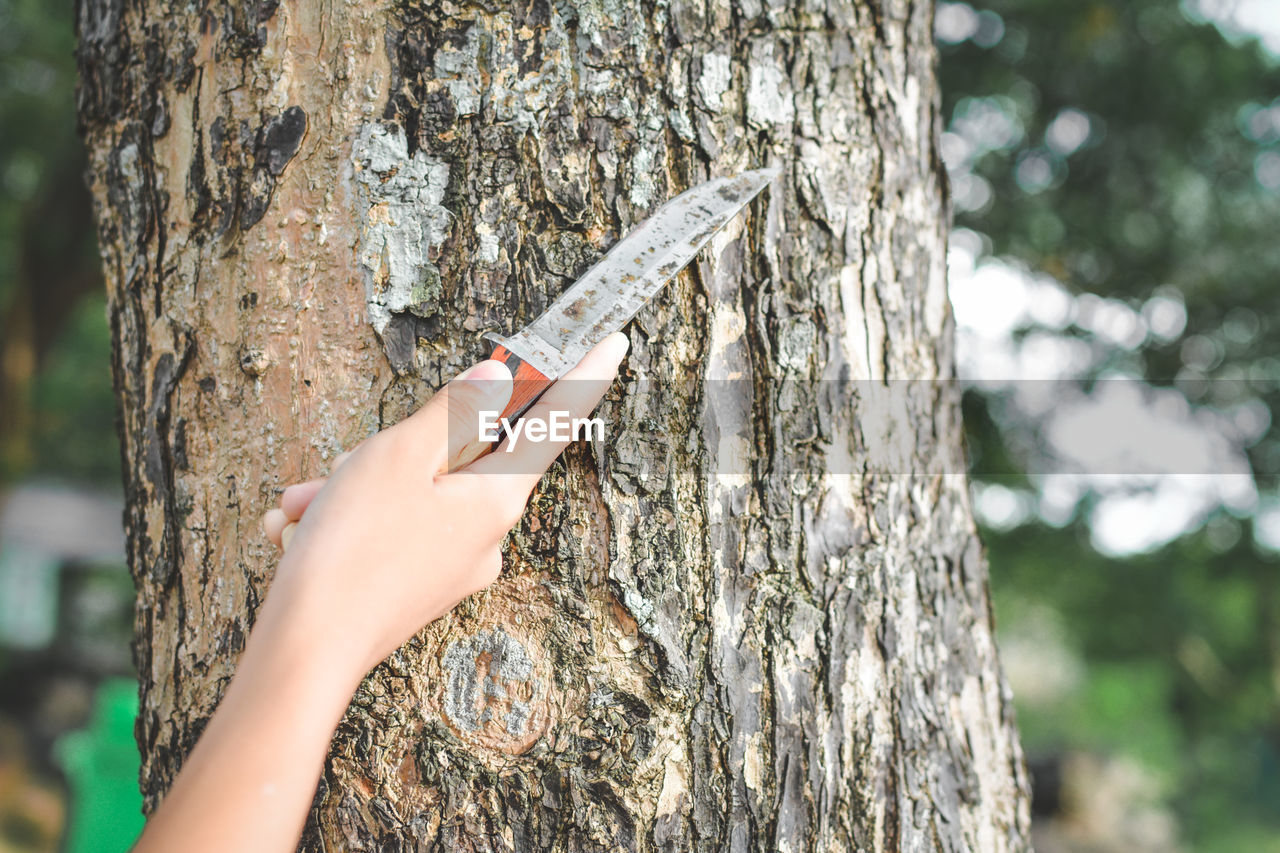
(722, 628)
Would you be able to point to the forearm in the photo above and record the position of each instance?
(348, 592)
(249, 782)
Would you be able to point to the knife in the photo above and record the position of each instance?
(611, 292)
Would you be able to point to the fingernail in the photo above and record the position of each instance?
(617, 345)
(491, 369)
(492, 379)
(286, 535)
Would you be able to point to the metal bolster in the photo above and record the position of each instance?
(543, 359)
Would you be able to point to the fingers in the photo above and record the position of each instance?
(273, 524)
(277, 523)
(484, 388)
(294, 501)
(447, 427)
(574, 395)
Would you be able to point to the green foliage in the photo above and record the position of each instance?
(75, 435)
(57, 386)
(1129, 150)
(39, 151)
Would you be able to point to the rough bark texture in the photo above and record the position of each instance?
(703, 637)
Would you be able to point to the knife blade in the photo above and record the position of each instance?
(609, 294)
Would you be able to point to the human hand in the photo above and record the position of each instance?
(407, 525)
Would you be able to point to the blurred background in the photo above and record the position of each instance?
(1115, 175)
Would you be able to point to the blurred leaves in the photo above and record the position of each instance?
(1119, 147)
(1132, 153)
(56, 409)
(75, 435)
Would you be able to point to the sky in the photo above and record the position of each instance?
(1240, 19)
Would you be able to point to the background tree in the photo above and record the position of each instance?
(723, 628)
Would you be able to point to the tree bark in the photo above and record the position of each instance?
(723, 628)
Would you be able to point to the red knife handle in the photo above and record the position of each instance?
(527, 385)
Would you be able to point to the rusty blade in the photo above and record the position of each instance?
(612, 291)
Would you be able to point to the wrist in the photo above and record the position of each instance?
(291, 650)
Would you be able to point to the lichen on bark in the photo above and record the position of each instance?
(403, 223)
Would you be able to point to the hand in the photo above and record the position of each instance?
(402, 531)
(398, 534)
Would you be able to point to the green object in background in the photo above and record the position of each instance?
(101, 762)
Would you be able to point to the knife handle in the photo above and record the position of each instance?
(527, 385)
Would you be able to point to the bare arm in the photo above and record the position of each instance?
(397, 536)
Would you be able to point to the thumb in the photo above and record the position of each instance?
(450, 421)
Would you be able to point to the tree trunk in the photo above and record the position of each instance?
(723, 628)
